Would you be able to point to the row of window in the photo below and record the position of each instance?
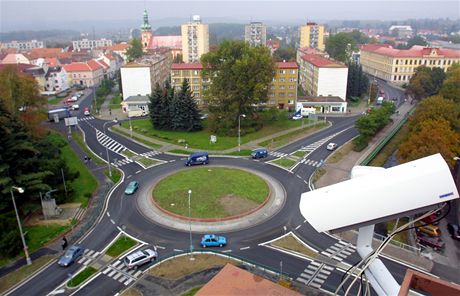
(283, 87)
(425, 62)
(292, 71)
(284, 80)
(281, 94)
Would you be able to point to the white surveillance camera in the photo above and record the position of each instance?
(374, 195)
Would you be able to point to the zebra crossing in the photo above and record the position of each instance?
(108, 142)
(339, 251)
(119, 272)
(315, 274)
(311, 162)
(121, 162)
(86, 118)
(277, 154)
(150, 153)
(88, 257)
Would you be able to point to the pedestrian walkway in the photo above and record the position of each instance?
(119, 272)
(109, 143)
(315, 274)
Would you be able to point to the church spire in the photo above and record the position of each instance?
(146, 26)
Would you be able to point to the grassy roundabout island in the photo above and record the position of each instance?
(216, 192)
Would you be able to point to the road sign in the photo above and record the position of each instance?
(70, 121)
(213, 139)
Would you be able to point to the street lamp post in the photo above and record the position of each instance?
(26, 250)
(239, 130)
(190, 224)
(107, 149)
(130, 126)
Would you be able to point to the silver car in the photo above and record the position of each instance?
(141, 257)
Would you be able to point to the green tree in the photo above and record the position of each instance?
(155, 105)
(164, 117)
(285, 54)
(339, 46)
(425, 82)
(358, 83)
(135, 51)
(190, 112)
(416, 40)
(451, 86)
(240, 77)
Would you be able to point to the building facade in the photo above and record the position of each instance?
(312, 35)
(255, 34)
(56, 80)
(23, 45)
(320, 76)
(193, 73)
(283, 89)
(401, 31)
(195, 40)
(398, 65)
(88, 74)
(85, 44)
(140, 77)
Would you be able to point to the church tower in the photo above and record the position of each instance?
(146, 34)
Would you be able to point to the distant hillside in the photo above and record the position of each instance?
(51, 35)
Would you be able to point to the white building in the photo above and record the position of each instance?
(401, 31)
(255, 34)
(56, 80)
(320, 76)
(23, 45)
(78, 45)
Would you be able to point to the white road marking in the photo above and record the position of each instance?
(298, 227)
(138, 171)
(108, 214)
(227, 251)
(113, 222)
(129, 176)
(245, 248)
(160, 247)
(55, 292)
(177, 250)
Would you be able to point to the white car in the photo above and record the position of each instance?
(297, 117)
(75, 107)
(73, 99)
(138, 258)
(331, 146)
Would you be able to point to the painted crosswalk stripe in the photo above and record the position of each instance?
(117, 276)
(122, 279)
(137, 274)
(112, 273)
(106, 270)
(128, 281)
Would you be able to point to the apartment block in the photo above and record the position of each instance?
(283, 89)
(23, 45)
(85, 44)
(140, 77)
(255, 34)
(398, 65)
(320, 76)
(89, 74)
(195, 40)
(193, 73)
(312, 35)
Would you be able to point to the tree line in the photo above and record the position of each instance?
(174, 111)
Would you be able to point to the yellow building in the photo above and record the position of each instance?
(283, 90)
(191, 72)
(195, 40)
(398, 65)
(312, 35)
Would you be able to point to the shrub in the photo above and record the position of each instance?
(359, 143)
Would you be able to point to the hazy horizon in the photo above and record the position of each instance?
(41, 15)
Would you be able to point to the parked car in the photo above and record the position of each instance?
(297, 117)
(86, 112)
(79, 94)
(197, 158)
(212, 240)
(140, 257)
(132, 187)
(259, 153)
(73, 99)
(454, 231)
(429, 229)
(331, 146)
(430, 241)
(75, 107)
(71, 255)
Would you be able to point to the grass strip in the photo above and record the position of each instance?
(14, 277)
(192, 291)
(131, 292)
(317, 175)
(380, 159)
(292, 136)
(182, 266)
(340, 153)
(116, 175)
(81, 277)
(128, 153)
(122, 244)
(299, 153)
(289, 242)
(141, 140)
(147, 161)
(284, 162)
(79, 140)
(38, 235)
(178, 151)
(240, 153)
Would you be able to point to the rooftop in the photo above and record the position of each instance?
(187, 66)
(321, 62)
(319, 99)
(287, 65)
(415, 51)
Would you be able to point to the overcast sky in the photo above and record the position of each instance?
(37, 14)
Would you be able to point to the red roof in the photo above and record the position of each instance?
(103, 64)
(287, 65)
(234, 281)
(52, 62)
(91, 65)
(187, 66)
(309, 50)
(166, 41)
(320, 61)
(415, 51)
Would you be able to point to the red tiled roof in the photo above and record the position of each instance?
(320, 61)
(109, 56)
(415, 51)
(36, 53)
(309, 50)
(117, 47)
(52, 62)
(287, 65)
(234, 281)
(187, 66)
(103, 64)
(93, 65)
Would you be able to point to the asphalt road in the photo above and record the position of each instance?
(123, 214)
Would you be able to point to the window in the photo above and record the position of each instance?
(406, 62)
(335, 109)
(291, 86)
(186, 73)
(410, 62)
(195, 72)
(282, 79)
(290, 102)
(196, 80)
(274, 80)
(292, 79)
(282, 87)
(272, 87)
(290, 94)
(196, 87)
(397, 62)
(292, 71)
(282, 71)
(396, 69)
(281, 94)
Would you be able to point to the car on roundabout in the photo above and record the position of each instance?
(212, 240)
(70, 256)
(132, 187)
(259, 153)
(138, 258)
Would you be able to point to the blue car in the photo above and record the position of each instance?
(197, 158)
(132, 187)
(259, 153)
(70, 256)
(212, 240)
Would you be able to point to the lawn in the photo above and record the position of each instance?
(291, 243)
(147, 161)
(240, 153)
(128, 153)
(38, 235)
(292, 136)
(76, 136)
(116, 175)
(81, 277)
(192, 291)
(54, 101)
(115, 101)
(201, 139)
(284, 162)
(121, 245)
(299, 153)
(178, 151)
(216, 192)
(128, 134)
